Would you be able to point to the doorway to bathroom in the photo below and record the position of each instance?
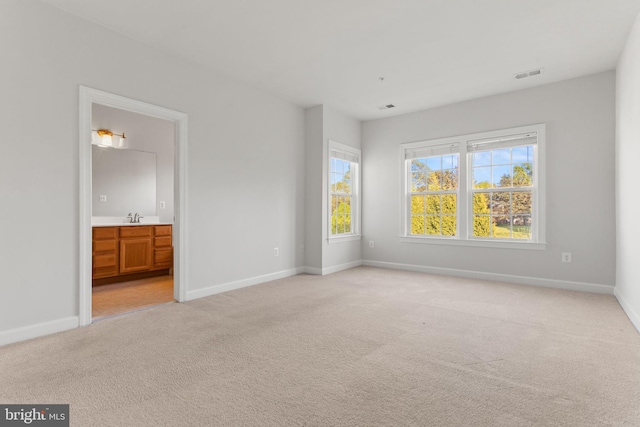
(132, 205)
(131, 211)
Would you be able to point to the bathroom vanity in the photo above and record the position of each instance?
(131, 251)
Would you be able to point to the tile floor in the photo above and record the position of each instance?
(120, 298)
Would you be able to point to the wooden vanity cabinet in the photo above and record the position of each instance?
(132, 250)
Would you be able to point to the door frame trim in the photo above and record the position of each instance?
(88, 97)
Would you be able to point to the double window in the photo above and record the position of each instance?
(480, 189)
(344, 191)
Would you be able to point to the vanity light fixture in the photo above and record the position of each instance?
(104, 138)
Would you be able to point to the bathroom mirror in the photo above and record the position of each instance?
(124, 181)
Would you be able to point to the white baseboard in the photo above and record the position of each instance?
(521, 280)
(334, 269)
(341, 267)
(38, 330)
(225, 287)
(631, 313)
(312, 270)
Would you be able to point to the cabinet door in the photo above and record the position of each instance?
(135, 255)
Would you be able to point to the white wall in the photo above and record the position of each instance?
(314, 134)
(580, 120)
(627, 195)
(147, 134)
(245, 162)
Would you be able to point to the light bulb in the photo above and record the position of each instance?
(107, 141)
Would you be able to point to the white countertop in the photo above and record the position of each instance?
(128, 224)
(114, 221)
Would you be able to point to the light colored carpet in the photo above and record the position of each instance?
(364, 347)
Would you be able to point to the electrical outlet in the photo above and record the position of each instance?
(301, 248)
(276, 252)
(371, 244)
(103, 197)
(163, 204)
(566, 256)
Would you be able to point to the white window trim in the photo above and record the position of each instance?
(463, 238)
(356, 216)
(345, 238)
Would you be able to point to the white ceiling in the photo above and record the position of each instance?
(332, 52)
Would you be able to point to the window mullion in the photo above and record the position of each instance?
(463, 212)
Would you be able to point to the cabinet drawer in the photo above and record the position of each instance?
(105, 233)
(135, 231)
(163, 241)
(163, 258)
(99, 272)
(106, 260)
(104, 246)
(162, 230)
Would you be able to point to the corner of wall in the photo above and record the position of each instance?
(633, 315)
(627, 289)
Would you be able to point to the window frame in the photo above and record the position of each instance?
(355, 233)
(464, 233)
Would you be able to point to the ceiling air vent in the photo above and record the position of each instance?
(528, 73)
(386, 107)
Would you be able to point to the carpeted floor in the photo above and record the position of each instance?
(364, 347)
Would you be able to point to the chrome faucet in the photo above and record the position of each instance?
(134, 219)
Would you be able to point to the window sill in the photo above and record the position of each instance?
(342, 239)
(498, 244)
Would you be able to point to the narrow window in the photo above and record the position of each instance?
(344, 179)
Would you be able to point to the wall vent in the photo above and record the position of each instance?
(386, 107)
(525, 74)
